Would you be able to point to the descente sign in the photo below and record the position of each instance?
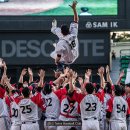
(96, 25)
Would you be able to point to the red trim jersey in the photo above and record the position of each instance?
(8, 100)
(52, 102)
(118, 108)
(100, 94)
(15, 111)
(29, 108)
(69, 109)
(3, 105)
(40, 109)
(90, 105)
(106, 99)
(128, 101)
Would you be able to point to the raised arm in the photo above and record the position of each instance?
(41, 75)
(87, 75)
(73, 6)
(108, 75)
(4, 73)
(56, 30)
(120, 77)
(30, 75)
(7, 82)
(24, 71)
(71, 85)
(101, 74)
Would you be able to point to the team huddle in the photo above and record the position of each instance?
(31, 105)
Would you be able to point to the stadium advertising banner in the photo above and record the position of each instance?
(35, 48)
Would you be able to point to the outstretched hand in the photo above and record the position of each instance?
(122, 73)
(24, 71)
(54, 23)
(74, 4)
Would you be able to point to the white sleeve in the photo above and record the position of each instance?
(60, 49)
(74, 29)
(56, 31)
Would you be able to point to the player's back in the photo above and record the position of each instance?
(69, 46)
(15, 113)
(52, 105)
(3, 109)
(28, 110)
(106, 99)
(90, 107)
(120, 107)
(69, 109)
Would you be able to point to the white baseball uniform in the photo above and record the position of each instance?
(69, 111)
(118, 108)
(4, 115)
(52, 101)
(40, 112)
(90, 107)
(29, 112)
(67, 46)
(105, 123)
(15, 114)
(100, 94)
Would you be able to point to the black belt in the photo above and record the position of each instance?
(50, 118)
(90, 118)
(29, 122)
(53, 118)
(3, 116)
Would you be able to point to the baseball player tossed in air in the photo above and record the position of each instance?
(66, 50)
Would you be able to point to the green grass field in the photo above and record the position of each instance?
(96, 7)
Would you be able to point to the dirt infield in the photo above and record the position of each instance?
(24, 7)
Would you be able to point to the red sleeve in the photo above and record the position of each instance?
(39, 101)
(128, 111)
(8, 100)
(2, 92)
(59, 93)
(110, 105)
(18, 99)
(100, 94)
(78, 96)
(128, 101)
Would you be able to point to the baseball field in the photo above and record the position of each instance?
(96, 7)
(57, 7)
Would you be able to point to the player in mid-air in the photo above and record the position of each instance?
(66, 50)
